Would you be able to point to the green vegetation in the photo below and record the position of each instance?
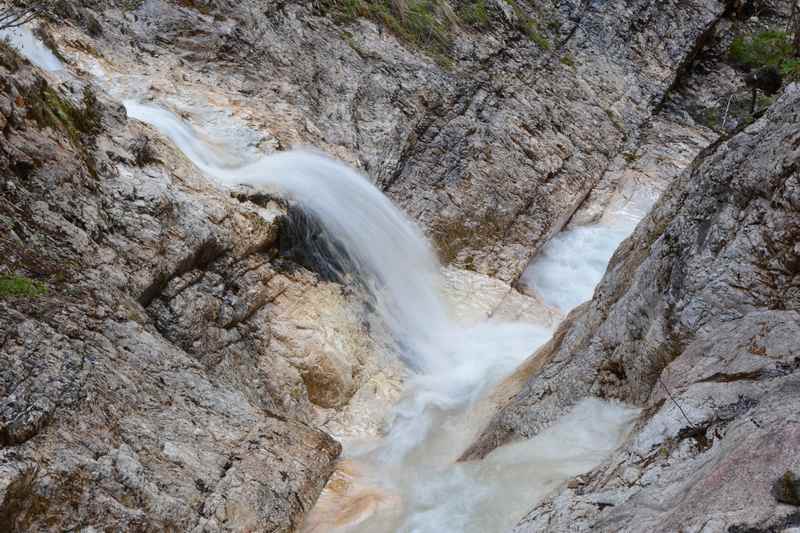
(769, 48)
(20, 286)
(790, 69)
(428, 24)
(425, 24)
(568, 60)
(529, 26)
(48, 109)
(475, 14)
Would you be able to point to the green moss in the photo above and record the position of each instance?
(790, 69)
(529, 26)
(568, 60)
(20, 287)
(428, 24)
(540, 40)
(48, 109)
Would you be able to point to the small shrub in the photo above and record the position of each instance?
(770, 48)
(20, 287)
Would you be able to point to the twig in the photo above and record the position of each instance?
(676, 404)
(725, 118)
(11, 17)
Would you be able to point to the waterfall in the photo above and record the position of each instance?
(414, 464)
(29, 46)
(389, 254)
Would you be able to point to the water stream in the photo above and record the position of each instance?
(23, 39)
(409, 480)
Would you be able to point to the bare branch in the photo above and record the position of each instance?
(13, 17)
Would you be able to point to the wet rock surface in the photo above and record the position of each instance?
(139, 389)
(491, 150)
(189, 345)
(697, 321)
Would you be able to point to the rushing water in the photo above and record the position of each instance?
(409, 480)
(28, 45)
(567, 271)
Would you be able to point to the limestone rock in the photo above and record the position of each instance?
(697, 321)
(138, 390)
(491, 150)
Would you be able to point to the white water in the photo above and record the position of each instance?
(411, 473)
(572, 264)
(569, 268)
(439, 495)
(29, 46)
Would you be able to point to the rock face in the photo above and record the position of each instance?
(141, 390)
(697, 321)
(162, 367)
(491, 149)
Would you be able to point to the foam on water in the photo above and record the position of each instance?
(410, 479)
(573, 262)
(22, 39)
(569, 268)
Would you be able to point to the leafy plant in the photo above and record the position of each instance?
(791, 69)
(475, 14)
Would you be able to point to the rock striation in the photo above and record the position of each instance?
(696, 320)
(139, 387)
(491, 147)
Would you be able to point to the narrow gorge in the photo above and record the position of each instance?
(375, 266)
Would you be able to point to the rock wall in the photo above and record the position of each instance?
(162, 368)
(139, 387)
(491, 148)
(697, 321)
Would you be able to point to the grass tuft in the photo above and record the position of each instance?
(21, 287)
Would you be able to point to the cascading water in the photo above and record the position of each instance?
(388, 252)
(573, 262)
(409, 481)
(28, 45)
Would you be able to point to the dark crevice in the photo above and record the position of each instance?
(208, 251)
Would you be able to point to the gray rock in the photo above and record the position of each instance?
(115, 412)
(491, 151)
(696, 320)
